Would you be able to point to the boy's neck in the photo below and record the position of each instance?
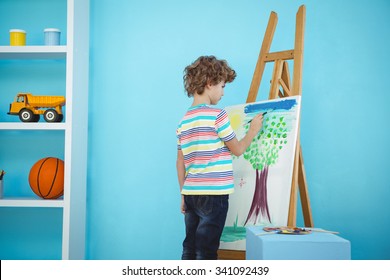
(201, 99)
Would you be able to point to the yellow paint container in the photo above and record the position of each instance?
(17, 37)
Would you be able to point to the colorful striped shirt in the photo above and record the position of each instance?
(208, 162)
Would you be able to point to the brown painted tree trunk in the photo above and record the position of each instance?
(259, 202)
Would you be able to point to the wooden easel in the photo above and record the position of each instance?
(281, 87)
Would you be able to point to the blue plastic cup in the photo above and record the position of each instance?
(52, 36)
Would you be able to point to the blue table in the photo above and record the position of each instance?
(313, 246)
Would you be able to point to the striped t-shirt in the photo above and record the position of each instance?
(208, 162)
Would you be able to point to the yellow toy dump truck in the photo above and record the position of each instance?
(29, 107)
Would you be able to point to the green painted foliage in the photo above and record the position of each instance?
(264, 149)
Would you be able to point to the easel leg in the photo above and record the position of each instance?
(298, 163)
(299, 181)
(281, 77)
(298, 50)
(277, 75)
(304, 194)
(260, 65)
(292, 213)
(285, 81)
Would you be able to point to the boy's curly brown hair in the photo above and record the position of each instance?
(206, 70)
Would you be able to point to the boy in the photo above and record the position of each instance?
(204, 162)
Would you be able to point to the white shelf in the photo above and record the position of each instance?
(31, 202)
(33, 52)
(32, 126)
(75, 55)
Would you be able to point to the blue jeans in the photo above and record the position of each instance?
(204, 219)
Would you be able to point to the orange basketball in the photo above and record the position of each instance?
(47, 178)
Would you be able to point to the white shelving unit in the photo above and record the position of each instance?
(75, 127)
(31, 202)
(33, 52)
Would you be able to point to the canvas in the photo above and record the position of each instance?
(263, 174)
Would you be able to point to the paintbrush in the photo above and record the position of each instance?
(321, 230)
(265, 113)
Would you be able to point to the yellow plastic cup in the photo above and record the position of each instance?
(17, 37)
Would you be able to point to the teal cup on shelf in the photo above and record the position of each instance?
(52, 36)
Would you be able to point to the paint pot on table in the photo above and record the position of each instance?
(17, 37)
(52, 36)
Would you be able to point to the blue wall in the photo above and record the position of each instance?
(138, 52)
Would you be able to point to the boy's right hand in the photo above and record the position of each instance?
(182, 205)
(256, 124)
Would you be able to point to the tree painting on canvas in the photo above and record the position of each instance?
(263, 173)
